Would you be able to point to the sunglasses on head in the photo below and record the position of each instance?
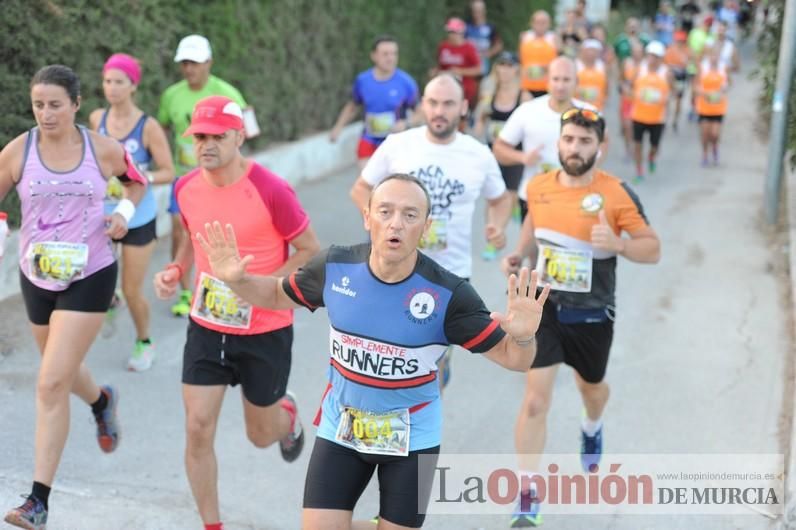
(590, 115)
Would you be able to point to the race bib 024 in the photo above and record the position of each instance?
(56, 261)
(378, 434)
(565, 269)
(216, 303)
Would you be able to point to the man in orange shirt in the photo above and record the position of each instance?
(710, 90)
(229, 341)
(573, 233)
(592, 75)
(677, 58)
(537, 50)
(651, 90)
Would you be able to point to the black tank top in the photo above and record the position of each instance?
(498, 118)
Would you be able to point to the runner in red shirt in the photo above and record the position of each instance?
(229, 341)
(460, 57)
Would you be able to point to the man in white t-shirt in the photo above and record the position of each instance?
(456, 169)
(537, 124)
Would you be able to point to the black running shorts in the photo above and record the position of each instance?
(655, 130)
(338, 475)
(141, 236)
(259, 363)
(92, 294)
(584, 347)
(705, 117)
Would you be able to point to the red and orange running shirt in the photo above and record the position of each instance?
(563, 218)
(266, 216)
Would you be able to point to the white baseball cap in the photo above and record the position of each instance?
(194, 48)
(656, 48)
(592, 44)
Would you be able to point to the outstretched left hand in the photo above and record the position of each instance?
(524, 308)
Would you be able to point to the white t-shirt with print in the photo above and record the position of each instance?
(534, 123)
(455, 174)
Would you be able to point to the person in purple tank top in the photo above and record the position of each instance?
(67, 266)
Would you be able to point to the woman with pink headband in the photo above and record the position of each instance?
(145, 141)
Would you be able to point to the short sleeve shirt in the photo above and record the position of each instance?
(384, 101)
(455, 174)
(385, 339)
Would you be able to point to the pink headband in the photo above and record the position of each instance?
(126, 63)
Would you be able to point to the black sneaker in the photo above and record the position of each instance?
(292, 444)
(32, 515)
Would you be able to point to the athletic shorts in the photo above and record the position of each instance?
(584, 347)
(259, 363)
(538, 93)
(173, 208)
(141, 236)
(680, 82)
(655, 130)
(626, 106)
(365, 148)
(523, 209)
(705, 117)
(92, 294)
(337, 476)
(512, 175)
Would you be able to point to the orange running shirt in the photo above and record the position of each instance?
(650, 94)
(563, 217)
(266, 215)
(712, 83)
(592, 84)
(536, 54)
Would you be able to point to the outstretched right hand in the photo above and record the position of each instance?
(222, 253)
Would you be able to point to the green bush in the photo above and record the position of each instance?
(294, 60)
(768, 51)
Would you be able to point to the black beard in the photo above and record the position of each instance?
(577, 169)
(445, 133)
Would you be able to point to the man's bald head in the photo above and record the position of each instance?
(562, 79)
(540, 22)
(445, 84)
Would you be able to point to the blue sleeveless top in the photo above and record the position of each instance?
(146, 210)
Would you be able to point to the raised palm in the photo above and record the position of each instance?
(524, 308)
(222, 252)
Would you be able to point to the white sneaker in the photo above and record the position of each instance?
(142, 357)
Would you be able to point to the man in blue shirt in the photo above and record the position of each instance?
(385, 92)
(483, 35)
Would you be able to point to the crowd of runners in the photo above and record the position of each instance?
(523, 129)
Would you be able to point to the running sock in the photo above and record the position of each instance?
(590, 427)
(215, 526)
(41, 492)
(145, 341)
(98, 406)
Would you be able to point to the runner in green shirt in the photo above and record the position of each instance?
(176, 106)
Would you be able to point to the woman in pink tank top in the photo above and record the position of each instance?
(67, 266)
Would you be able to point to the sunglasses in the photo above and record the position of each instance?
(590, 115)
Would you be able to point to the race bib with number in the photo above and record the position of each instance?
(651, 95)
(493, 131)
(379, 124)
(436, 238)
(714, 97)
(185, 154)
(565, 269)
(588, 94)
(536, 71)
(115, 191)
(378, 434)
(56, 261)
(216, 303)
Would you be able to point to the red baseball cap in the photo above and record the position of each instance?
(456, 25)
(215, 115)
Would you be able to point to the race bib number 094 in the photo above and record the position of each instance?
(59, 262)
(216, 303)
(565, 269)
(378, 434)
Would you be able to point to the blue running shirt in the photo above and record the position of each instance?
(384, 102)
(385, 339)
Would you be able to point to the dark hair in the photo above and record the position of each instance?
(58, 74)
(382, 38)
(581, 121)
(406, 178)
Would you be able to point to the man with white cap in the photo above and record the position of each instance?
(651, 89)
(592, 75)
(229, 341)
(195, 58)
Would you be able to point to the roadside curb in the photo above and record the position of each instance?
(308, 159)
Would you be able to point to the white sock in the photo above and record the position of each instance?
(590, 427)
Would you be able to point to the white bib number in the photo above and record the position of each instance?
(651, 95)
(436, 238)
(377, 434)
(216, 303)
(564, 269)
(536, 71)
(493, 131)
(55, 261)
(379, 124)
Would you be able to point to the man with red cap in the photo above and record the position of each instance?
(460, 57)
(229, 341)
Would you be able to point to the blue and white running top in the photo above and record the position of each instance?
(385, 101)
(385, 339)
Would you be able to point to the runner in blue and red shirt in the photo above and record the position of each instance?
(385, 92)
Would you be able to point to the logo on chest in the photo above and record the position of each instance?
(421, 306)
(592, 203)
(345, 281)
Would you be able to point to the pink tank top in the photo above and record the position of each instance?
(62, 238)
